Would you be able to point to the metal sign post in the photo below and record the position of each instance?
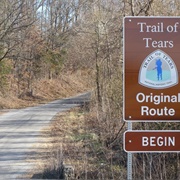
(151, 83)
(129, 158)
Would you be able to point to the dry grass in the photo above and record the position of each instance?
(12, 102)
(64, 86)
(76, 145)
(45, 90)
(66, 133)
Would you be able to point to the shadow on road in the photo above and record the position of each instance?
(20, 131)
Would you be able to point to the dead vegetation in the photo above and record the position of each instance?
(76, 151)
(44, 90)
(55, 41)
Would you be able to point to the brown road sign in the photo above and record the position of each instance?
(152, 141)
(152, 69)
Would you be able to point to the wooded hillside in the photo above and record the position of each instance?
(43, 40)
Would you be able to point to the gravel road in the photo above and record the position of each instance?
(20, 131)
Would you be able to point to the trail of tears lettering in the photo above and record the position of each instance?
(158, 28)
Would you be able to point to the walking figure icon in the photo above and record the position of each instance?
(159, 69)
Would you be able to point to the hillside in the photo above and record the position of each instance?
(51, 49)
(45, 90)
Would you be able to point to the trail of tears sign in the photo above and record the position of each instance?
(152, 69)
(159, 27)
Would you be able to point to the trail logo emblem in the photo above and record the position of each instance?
(158, 71)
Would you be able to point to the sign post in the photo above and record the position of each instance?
(129, 157)
(151, 83)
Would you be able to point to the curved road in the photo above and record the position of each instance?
(20, 131)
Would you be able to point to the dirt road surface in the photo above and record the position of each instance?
(20, 131)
